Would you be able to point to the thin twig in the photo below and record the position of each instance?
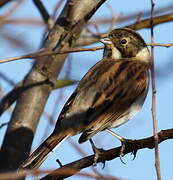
(132, 16)
(160, 44)
(113, 17)
(7, 100)
(3, 124)
(56, 8)
(10, 109)
(4, 2)
(12, 9)
(87, 40)
(45, 15)
(36, 172)
(7, 79)
(146, 23)
(47, 53)
(13, 39)
(157, 161)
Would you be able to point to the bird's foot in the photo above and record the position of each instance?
(124, 144)
(97, 153)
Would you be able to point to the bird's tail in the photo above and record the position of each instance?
(40, 154)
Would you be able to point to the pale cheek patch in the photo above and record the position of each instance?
(144, 55)
(116, 54)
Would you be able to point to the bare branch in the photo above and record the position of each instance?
(3, 124)
(10, 98)
(4, 2)
(45, 15)
(14, 94)
(13, 39)
(156, 138)
(132, 16)
(7, 79)
(160, 44)
(31, 102)
(156, 21)
(86, 40)
(14, 175)
(108, 155)
(56, 7)
(47, 53)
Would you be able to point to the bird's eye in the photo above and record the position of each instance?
(123, 41)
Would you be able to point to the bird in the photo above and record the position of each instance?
(110, 93)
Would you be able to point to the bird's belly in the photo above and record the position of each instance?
(131, 112)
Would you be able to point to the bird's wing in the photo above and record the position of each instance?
(127, 84)
(108, 83)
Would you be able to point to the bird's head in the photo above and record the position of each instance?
(125, 43)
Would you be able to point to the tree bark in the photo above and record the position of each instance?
(39, 82)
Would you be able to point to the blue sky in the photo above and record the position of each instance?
(140, 127)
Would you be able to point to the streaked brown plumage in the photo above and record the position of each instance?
(110, 94)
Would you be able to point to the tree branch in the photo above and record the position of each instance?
(132, 16)
(45, 15)
(157, 161)
(30, 104)
(87, 40)
(108, 155)
(4, 2)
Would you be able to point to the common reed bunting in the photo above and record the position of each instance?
(112, 92)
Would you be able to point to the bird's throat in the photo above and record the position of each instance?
(112, 53)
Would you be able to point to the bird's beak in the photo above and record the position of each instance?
(106, 41)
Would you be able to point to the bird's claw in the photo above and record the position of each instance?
(134, 152)
(97, 153)
(124, 143)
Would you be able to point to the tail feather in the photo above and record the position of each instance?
(40, 154)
